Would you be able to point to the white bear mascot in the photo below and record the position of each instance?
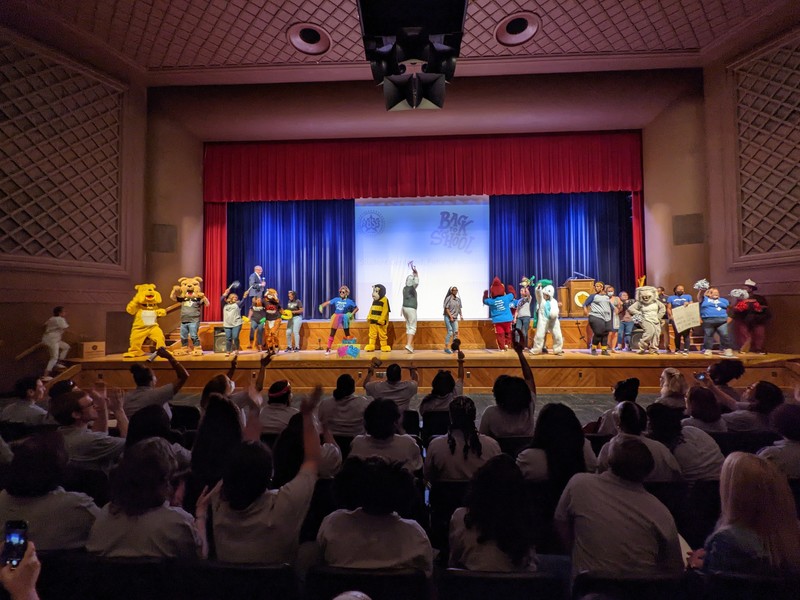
(547, 319)
(648, 312)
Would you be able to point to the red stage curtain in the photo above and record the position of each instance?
(215, 243)
(413, 167)
(637, 210)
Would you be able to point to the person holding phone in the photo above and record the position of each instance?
(20, 581)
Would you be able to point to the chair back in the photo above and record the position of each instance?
(411, 422)
(269, 439)
(460, 584)
(672, 494)
(702, 512)
(378, 584)
(344, 442)
(514, 445)
(434, 422)
(598, 440)
(445, 497)
(623, 588)
(732, 586)
(184, 417)
(745, 441)
(91, 482)
(214, 580)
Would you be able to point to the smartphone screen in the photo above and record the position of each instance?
(16, 541)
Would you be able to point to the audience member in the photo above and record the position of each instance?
(515, 399)
(631, 421)
(614, 527)
(288, 454)
(394, 388)
(673, 389)
(703, 410)
(697, 453)
(275, 414)
(30, 392)
(495, 529)
(725, 371)
(343, 412)
(224, 385)
(20, 582)
(57, 520)
(373, 535)
(626, 390)
(785, 453)
(444, 388)
(459, 454)
(138, 521)
(255, 524)
(146, 392)
(760, 400)
(559, 448)
(757, 532)
(381, 421)
(153, 421)
(84, 424)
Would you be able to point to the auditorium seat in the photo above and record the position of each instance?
(324, 582)
(411, 422)
(269, 439)
(672, 494)
(750, 441)
(733, 586)
(598, 440)
(444, 498)
(702, 512)
(213, 580)
(514, 445)
(645, 588)
(322, 504)
(91, 482)
(184, 417)
(460, 584)
(435, 422)
(344, 442)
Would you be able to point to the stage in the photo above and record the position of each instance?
(575, 371)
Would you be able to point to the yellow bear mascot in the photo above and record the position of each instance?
(378, 319)
(192, 300)
(145, 311)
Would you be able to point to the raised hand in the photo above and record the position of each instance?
(309, 403)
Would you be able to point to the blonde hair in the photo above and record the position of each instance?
(673, 382)
(755, 495)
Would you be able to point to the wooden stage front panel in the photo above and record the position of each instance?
(575, 371)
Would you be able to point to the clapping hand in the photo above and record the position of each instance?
(309, 403)
(267, 357)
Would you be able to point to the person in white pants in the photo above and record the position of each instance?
(54, 328)
(547, 320)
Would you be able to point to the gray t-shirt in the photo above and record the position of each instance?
(143, 396)
(468, 552)
(410, 293)
(666, 466)
(784, 454)
(345, 416)
(92, 449)
(599, 306)
(619, 529)
(498, 423)
(22, 411)
(57, 520)
(452, 305)
(401, 392)
(267, 531)
(190, 309)
(533, 462)
(275, 417)
(232, 314)
(442, 465)
(397, 448)
(698, 455)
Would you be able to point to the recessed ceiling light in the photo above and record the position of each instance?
(309, 38)
(517, 29)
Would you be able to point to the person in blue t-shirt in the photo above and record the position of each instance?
(714, 314)
(679, 298)
(344, 309)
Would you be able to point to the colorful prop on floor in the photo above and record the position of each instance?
(349, 348)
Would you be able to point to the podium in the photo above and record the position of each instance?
(578, 290)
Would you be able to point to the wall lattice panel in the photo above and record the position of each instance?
(59, 160)
(768, 122)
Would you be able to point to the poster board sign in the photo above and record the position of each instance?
(686, 316)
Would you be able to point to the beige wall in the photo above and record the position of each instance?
(673, 162)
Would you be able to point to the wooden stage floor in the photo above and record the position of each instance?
(575, 371)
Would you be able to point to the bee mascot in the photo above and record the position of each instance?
(378, 319)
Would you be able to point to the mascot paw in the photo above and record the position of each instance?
(386, 348)
(369, 347)
(160, 312)
(197, 352)
(133, 354)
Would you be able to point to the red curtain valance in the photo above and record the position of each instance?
(413, 167)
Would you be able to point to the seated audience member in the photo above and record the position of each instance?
(456, 456)
(757, 532)
(57, 520)
(613, 525)
(30, 393)
(372, 535)
(626, 390)
(394, 388)
(146, 392)
(703, 410)
(785, 453)
(288, 453)
(631, 421)
(275, 414)
(138, 521)
(343, 413)
(673, 389)
(760, 400)
(255, 524)
(495, 530)
(723, 372)
(559, 448)
(515, 399)
(697, 453)
(152, 421)
(381, 420)
(84, 424)
(224, 385)
(444, 388)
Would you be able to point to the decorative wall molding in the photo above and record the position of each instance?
(60, 164)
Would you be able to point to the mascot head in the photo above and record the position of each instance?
(525, 282)
(344, 291)
(378, 292)
(497, 288)
(190, 286)
(646, 294)
(146, 293)
(271, 294)
(548, 291)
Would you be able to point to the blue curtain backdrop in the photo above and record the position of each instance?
(307, 246)
(553, 235)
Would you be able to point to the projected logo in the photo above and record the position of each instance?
(372, 222)
(453, 232)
